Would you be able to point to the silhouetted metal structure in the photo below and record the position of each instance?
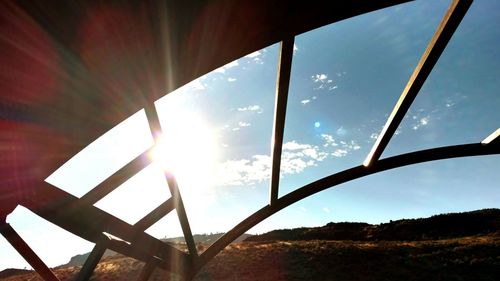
(186, 51)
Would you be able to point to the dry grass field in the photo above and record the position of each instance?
(459, 246)
(467, 258)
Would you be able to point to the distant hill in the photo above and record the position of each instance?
(200, 239)
(12, 271)
(79, 260)
(463, 246)
(205, 239)
(443, 226)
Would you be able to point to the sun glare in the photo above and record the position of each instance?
(187, 149)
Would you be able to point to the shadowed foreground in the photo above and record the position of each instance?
(468, 258)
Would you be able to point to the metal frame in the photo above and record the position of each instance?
(28, 254)
(80, 217)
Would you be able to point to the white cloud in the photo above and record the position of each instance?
(374, 136)
(295, 158)
(223, 69)
(258, 60)
(304, 102)
(329, 140)
(231, 79)
(353, 145)
(255, 108)
(293, 145)
(340, 153)
(303, 209)
(342, 147)
(295, 48)
(421, 122)
(197, 85)
(319, 78)
(253, 55)
(244, 124)
(323, 81)
(244, 171)
(326, 209)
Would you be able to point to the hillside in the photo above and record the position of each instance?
(445, 252)
(204, 239)
(443, 226)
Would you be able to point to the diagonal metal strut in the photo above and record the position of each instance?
(282, 85)
(436, 46)
(156, 131)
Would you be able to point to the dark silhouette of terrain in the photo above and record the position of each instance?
(463, 246)
(443, 226)
(204, 239)
(12, 271)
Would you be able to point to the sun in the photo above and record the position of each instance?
(188, 150)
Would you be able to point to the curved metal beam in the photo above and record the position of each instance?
(401, 160)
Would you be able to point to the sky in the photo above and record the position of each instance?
(345, 80)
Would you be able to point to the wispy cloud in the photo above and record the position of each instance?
(295, 49)
(258, 60)
(294, 159)
(323, 82)
(240, 126)
(329, 140)
(244, 171)
(244, 124)
(197, 84)
(424, 121)
(304, 102)
(256, 57)
(341, 148)
(223, 69)
(253, 55)
(326, 209)
(253, 108)
(231, 79)
(340, 153)
(319, 78)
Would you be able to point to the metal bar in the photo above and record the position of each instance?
(115, 180)
(155, 215)
(146, 272)
(153, 120)
(156, 131)
(442, 36)
(181, 213)
(90, 222)
(26, 252)
(342, 177)
(282, 85)
(492, 138)
(92, 260)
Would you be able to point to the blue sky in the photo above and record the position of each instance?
(345, 80)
